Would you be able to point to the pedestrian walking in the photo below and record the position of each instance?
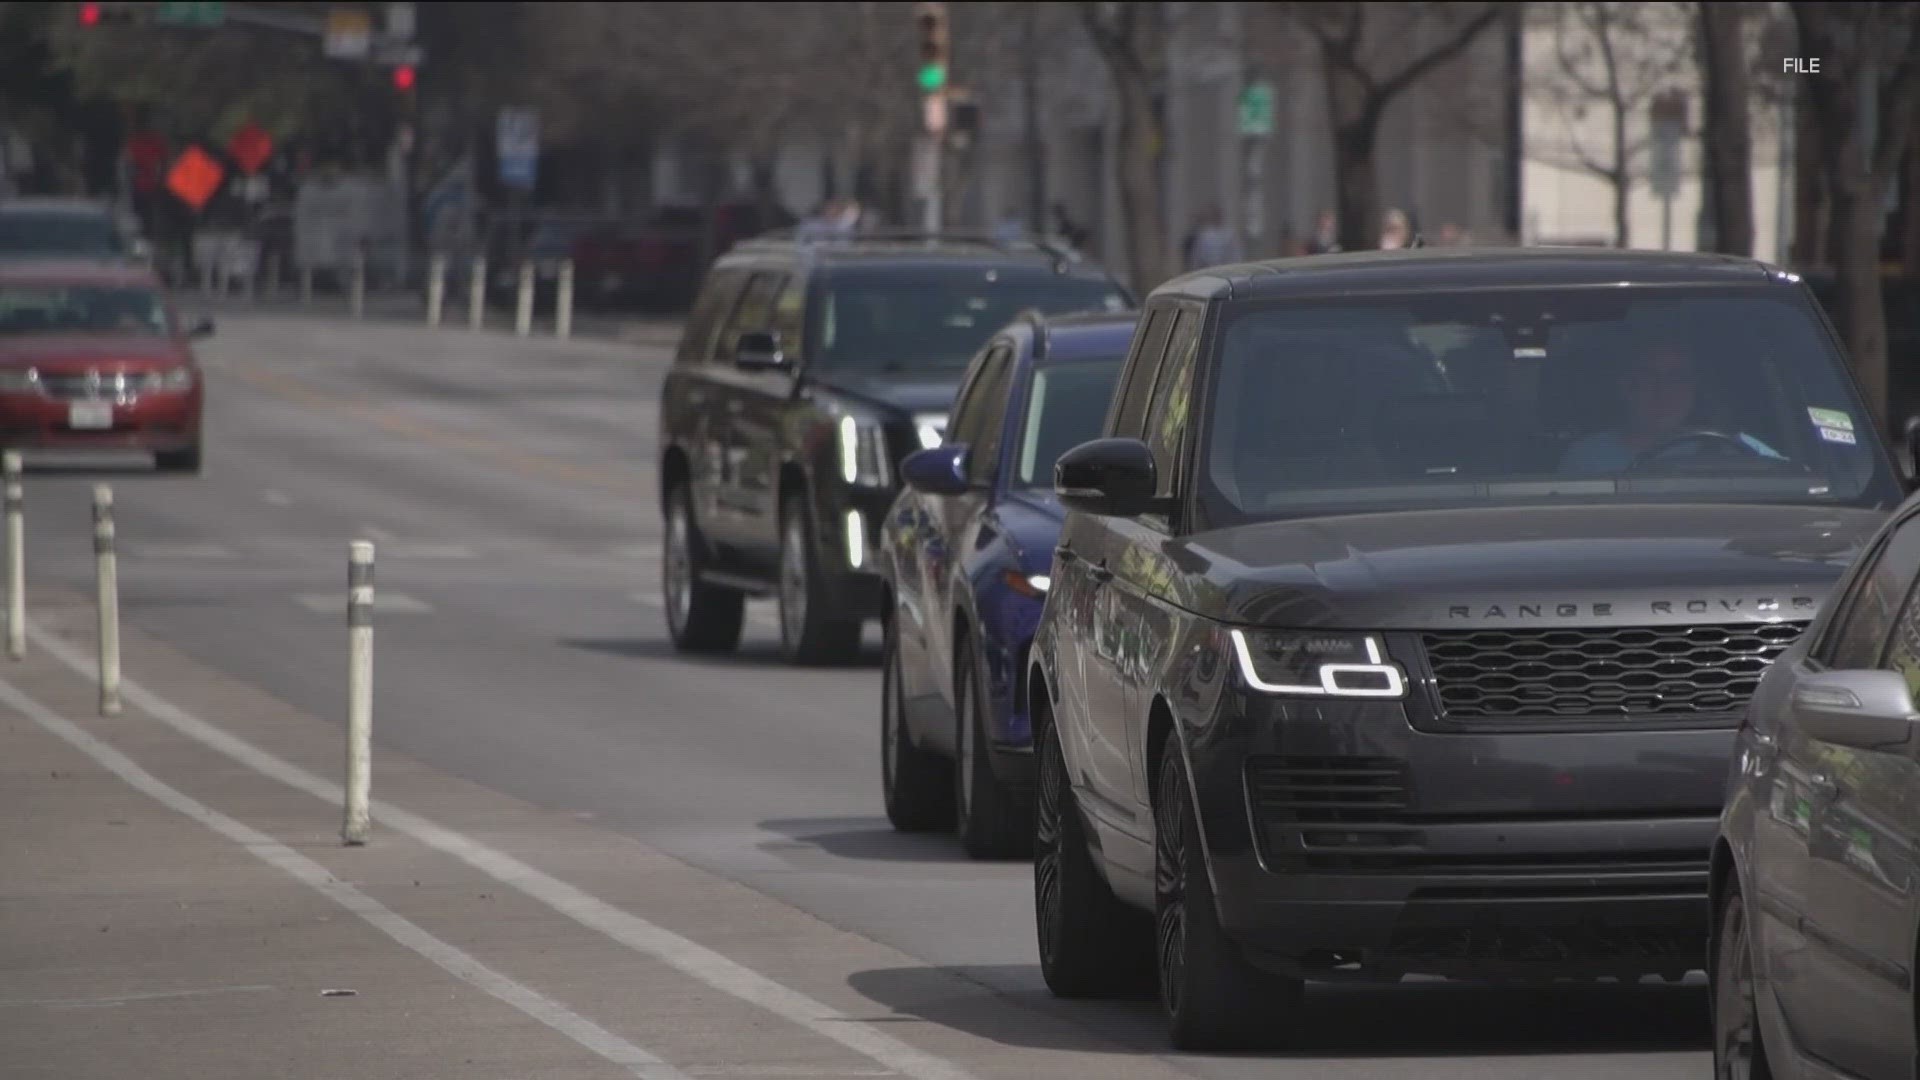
(1326, 234)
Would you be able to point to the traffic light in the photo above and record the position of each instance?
(403, 77)
(93, 15)
(936, 46)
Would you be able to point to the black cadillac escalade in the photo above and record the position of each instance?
(1406, 612)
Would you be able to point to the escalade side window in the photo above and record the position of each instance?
(709, 312)
(1860, 631)
(754, 313)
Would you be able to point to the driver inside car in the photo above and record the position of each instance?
(1661, 392)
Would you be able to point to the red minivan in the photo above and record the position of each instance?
(94, 357)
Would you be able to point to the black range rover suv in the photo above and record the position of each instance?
(1404, 617)
(807, 371)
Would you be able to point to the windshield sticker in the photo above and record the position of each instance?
(1831, 418)
(1836, 435)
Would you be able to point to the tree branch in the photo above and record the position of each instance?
(1463, 37)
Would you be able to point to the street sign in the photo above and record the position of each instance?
(517, 144)
(191, 14)
(250, 147)
(349, 33)
(1256, 110)
(195, 176)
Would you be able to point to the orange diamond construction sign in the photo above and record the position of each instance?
(195, 176)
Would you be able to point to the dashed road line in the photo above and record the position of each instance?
(448, 958)
(638, 934)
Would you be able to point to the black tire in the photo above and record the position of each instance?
(178, 461)
(1091, 944)
(917, 784)
(1214, 999)
(993, 822)
(809, 632)
(1739, 1053)
(701, 618)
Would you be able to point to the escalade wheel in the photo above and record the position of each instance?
(1737, 1050)
(993, 823)
(1215, 999)
(916, 784)
(1091, 945)
(809, 634)
(700, 618)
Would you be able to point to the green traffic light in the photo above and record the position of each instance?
(933, 77)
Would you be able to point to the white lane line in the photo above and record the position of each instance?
(723, 974)
(113, 1001)
(297, 866)
(177, 549)
(384, 603)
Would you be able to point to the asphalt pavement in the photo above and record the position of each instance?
(525, 688)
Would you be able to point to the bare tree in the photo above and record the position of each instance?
(1614, 57)
(1727, 130)
(1371, 54)
(1862, 107)
(1132, 39)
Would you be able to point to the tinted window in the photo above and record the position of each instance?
(976, 402)
(1142, 373)
(1066, 407)
(26, 309)
(1860, 632)
(1166, 429)
(755, 311)
(58, 234)
(984, 461)
(709, 311)
(1572, 396)
(880, 326)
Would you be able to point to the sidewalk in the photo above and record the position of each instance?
(176, 899)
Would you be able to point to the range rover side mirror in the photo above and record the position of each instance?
(758, 350)
(1910, 456)
(937, 470)
(1109, 477)
(1868, 709)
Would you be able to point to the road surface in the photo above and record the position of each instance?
(508, 487)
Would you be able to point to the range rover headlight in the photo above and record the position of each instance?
(1317, 664)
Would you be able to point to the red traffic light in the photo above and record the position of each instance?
(89, 14)
(403, 77)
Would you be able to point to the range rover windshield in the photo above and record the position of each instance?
(1499, 398)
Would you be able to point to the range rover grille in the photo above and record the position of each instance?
(1603, 672)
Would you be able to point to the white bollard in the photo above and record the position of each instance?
(563, 302)
(359, 690)
(109, 594)
(436, 288)
(16, 559)
(359, 298)
(477, 295)
(523, 318)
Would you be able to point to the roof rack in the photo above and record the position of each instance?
(1060, 253)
